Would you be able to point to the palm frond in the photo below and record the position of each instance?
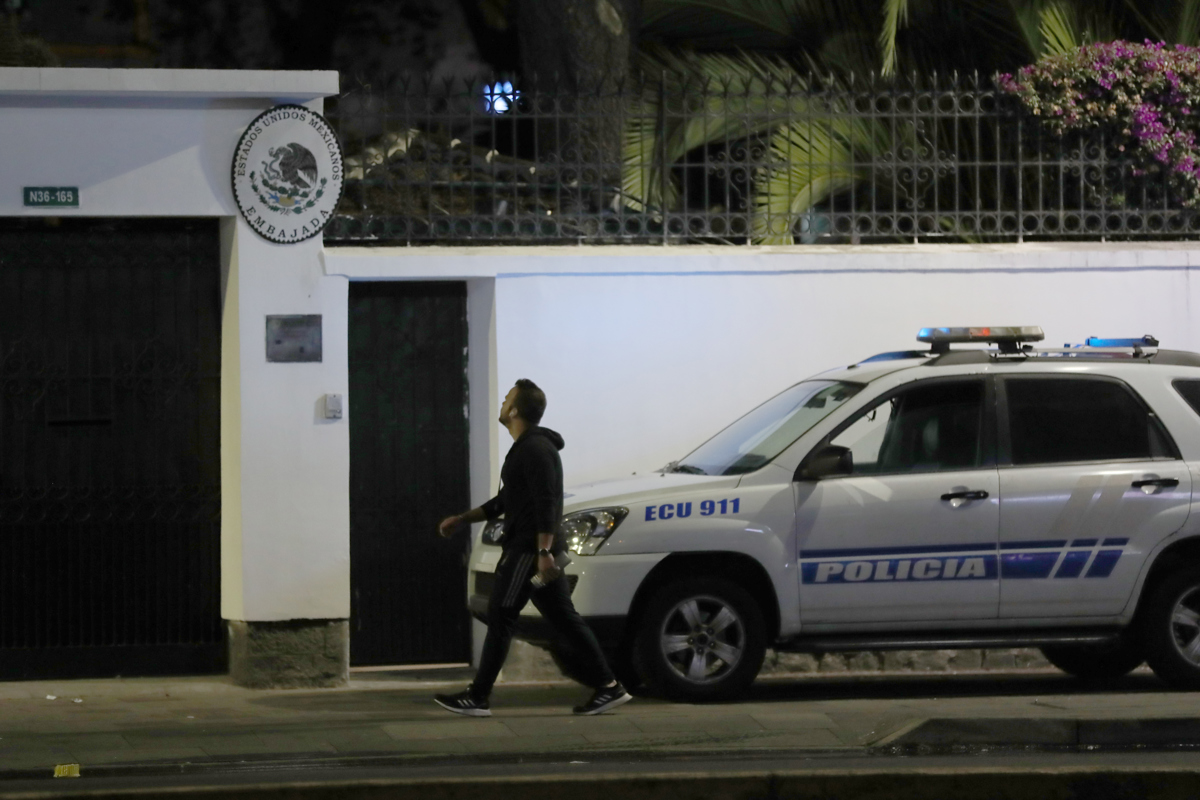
(816, 160)
(1059, 26)
(1187, 29)
(710, 98)
(895, 14)
(1029, 21)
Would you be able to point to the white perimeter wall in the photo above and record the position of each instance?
(645, 352)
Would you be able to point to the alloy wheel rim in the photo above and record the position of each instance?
(702, 639)
(1185, 626)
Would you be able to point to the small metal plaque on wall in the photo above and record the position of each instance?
(294, 337)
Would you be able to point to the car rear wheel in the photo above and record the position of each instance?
(1172, 626)
(1097, 663)
(701, 639)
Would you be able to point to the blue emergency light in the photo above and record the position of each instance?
(1144, 341)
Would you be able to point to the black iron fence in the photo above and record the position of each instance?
(756, 157)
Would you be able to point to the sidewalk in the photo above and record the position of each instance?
(102, 724)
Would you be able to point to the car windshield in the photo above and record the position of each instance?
(764, 433)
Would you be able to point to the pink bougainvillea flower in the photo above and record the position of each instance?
(1140, 96)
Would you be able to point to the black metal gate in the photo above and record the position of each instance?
(110, 358)
(408, 469)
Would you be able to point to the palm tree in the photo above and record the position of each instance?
(736, 73)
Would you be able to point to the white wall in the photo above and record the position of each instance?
(295, 465)
(136, 142)
(160, 143)
(645, 352)
(483, 407)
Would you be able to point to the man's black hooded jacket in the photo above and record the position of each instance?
(531, 491)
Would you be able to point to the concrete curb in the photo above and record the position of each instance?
(939, 734)
(967, 783)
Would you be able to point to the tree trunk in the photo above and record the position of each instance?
(578, 53)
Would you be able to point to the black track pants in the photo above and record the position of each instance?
(510, 592)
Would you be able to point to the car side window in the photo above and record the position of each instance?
(1060, 420)
(1189, 390)
(930, 427)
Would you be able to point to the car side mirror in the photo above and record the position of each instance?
(831, 459)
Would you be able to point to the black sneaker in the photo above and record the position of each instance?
(604, 699)
(463, 703)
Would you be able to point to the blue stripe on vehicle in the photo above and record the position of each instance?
(1103, 565)
(1073, 563)
(851, 552)
(1084, 543)
(1034, 545)
(1027, 565)
(1116, 542)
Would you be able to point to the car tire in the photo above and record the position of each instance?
(1172, 629)
(701, 639)
(1097, 663)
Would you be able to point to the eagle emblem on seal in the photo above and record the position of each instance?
(289, 179)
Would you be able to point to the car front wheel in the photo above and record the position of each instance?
(701, 639)
(1172, 628)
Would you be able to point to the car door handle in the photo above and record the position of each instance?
(975, 494)
(1164, 482)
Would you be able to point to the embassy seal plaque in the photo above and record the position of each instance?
(287, 173)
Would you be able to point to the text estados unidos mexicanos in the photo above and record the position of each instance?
(315, 122)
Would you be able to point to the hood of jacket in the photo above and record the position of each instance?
(554, 436)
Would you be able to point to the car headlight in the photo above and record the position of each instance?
(585, 531)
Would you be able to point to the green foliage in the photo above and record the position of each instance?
(814, 156)
(1059, 28)
(709, 98)
(817, 158)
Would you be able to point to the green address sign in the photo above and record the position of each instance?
(59, 196)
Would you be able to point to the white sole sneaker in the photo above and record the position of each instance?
(611, 704)
(465, 712)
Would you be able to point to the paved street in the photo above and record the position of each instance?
(390, 718)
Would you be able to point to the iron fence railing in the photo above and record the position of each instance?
(749, 158)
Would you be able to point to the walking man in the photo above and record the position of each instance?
(531, 499)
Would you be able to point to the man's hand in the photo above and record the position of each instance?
(547, 569)
(453, 524)
(450, 526)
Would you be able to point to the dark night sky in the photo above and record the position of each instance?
(375, 38)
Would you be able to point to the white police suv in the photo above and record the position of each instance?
(959, 497)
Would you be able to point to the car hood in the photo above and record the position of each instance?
(624, 491)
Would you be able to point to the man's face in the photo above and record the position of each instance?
(508, 408)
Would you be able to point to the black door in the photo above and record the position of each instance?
(408, 469)
(110, 359)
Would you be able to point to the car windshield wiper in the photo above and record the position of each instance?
(688, 468)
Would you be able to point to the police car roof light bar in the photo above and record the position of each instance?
(1007, 338)
(1144, 341)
